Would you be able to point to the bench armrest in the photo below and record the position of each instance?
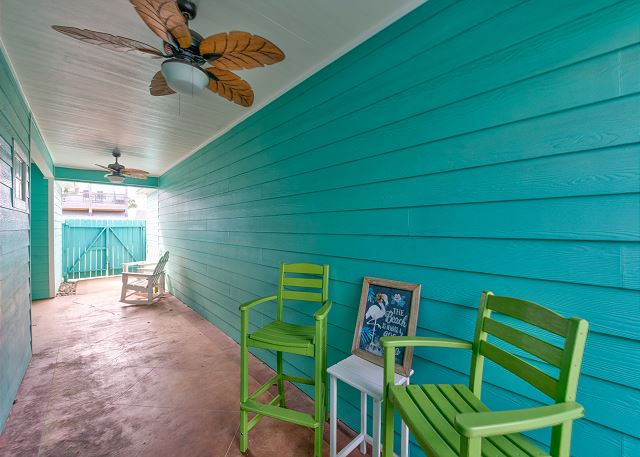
(396, 341)
(250, 304)
(491, 423)
(321, 314)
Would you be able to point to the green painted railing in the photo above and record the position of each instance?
(95, 248)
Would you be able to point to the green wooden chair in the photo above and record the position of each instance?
(301, 283)
(452, 421)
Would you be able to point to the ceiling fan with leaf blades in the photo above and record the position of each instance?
(191, 61)
(117, 171)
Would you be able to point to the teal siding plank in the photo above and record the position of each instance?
(498, 151)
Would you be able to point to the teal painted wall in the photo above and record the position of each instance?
(463, 148)
(57, 234)
(15, 302)
(39, 234)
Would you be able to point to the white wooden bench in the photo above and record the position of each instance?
(144, 280)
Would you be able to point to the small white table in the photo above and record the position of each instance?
(367, 378)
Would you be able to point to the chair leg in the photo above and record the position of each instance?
(280, 371)
(325, 382)
(376, 429)
(244, 382)
(387, 432)
(561, 439)
(125, 282)
(319, 400)
(317, 440)
(470, 447)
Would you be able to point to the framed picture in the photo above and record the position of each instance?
(387, 308)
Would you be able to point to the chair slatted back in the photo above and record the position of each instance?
(302, 282)
(566, 358)
(157, 271)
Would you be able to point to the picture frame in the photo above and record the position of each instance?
(387, 308)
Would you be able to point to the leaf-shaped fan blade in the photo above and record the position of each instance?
(238, 50)
(134, 173)
(108, 41)
(159, 85)
(102, 166)
(230, 86)
(164, 19)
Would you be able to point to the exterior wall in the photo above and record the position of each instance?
(463, 148)
(15, 300)
(153, 248)
(39, 234)
(56, 220)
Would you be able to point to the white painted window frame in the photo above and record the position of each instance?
(19, 159)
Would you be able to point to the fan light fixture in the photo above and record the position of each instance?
(183, 77)
(194, 63)
(115, 179)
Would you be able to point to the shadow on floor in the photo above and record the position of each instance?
(109, 379)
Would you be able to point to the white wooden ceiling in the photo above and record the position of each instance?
(87, 99)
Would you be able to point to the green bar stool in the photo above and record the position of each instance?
(300, 282)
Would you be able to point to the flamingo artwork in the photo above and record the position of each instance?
(377, 310)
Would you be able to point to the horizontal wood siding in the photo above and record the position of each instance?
(15, 302)
(463, 148)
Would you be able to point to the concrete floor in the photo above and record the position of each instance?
(109, 379)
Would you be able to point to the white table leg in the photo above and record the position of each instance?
(404, 440)
(376, 428)
(333, 414)
(363, 421)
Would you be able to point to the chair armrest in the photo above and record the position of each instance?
(396, 341)
(137, 275)
(321, 314)
(140, 263)
(250, 304)
(126, 266)
(491, 423)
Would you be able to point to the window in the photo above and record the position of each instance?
(20, 178)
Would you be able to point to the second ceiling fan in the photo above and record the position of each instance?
(192, 63)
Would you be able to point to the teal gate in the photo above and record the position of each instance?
(95, 248)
